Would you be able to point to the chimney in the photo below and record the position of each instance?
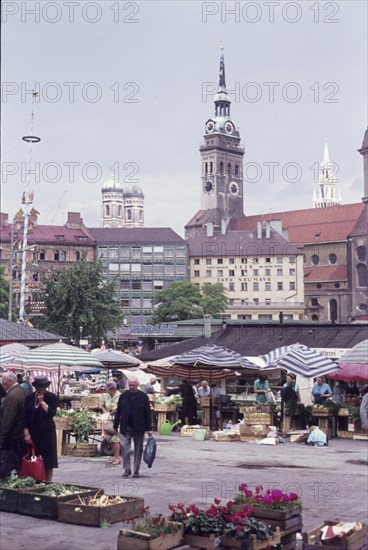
(74, 221)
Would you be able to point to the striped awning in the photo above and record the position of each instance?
(215, 357)
(301, 360)
(59, 354)
(358, 355)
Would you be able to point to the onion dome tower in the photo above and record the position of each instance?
(112, 214)
(133, 198)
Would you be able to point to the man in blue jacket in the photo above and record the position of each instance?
(133, 415)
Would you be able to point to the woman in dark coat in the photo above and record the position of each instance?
(189, 413)
(39, 427)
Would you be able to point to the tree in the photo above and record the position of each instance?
(185, 300)
(80, 297)
(4, 294)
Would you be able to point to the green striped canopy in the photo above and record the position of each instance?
(59, 354)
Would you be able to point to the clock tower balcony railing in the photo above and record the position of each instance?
(205, 146)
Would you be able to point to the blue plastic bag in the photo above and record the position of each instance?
(150, 451)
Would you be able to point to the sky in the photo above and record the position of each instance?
(125, 89)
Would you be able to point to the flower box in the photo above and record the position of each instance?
(35, 503)
(209, 542)
(73, 511)
(356, 541)
(81, 449)
(254, 544)
(134, 540)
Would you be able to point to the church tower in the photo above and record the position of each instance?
(325, 193)
(133, 206)
(112, 205)
(222, 158)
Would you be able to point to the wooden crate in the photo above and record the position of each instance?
(344, 434)
(165, 407)
(223, 436)
(188, 431)
(343, 412)
(255, 430)
(81, 449)
(35, 503)
(208, 542)
(356, 541)
(254, 544)
(132, 540)
(73, 511)
(63, 422)
(258, 418)
(319, 410)
(90, 401)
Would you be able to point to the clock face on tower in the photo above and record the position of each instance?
(229, 128)
(210, 126)
(234, 188)
(208, 186)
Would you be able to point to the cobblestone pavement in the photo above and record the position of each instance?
(332, 482)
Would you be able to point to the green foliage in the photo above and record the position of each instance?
(354, 413)
(185, 300)
(4, 293)
(84, 422)
(80, 297)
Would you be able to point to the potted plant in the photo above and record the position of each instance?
(151, 533)
(84, 422)
(246, 532)
(202, 528)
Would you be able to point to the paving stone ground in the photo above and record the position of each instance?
(332, 482)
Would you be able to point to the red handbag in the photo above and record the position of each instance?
(33, 465)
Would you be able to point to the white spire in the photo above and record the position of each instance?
(325, 193)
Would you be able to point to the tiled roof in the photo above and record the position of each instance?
(258, 339)
(310, 225)
(51, 234)
(16, 332)
(143, 235)
(238, 243)
(325, 273)
(361, 226)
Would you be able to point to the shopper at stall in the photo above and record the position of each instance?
(204, 390)
(291, 377)
(321, 391)
(108, 404)
(39, 427)
(261, 388)
(133, 418)
(11, 414)
(189, 409)
(364, 409)
(28, 388)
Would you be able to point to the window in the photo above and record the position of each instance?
(147, 286)
(35, 276)
(114, 254)
(332, 258)
(140, 215)
(361, 253)
(318, 285)
(42, 255)
(129, 214)
(333, 310)
(169, 253)
(337, 285)
(279, 260)
(245, 317)
(229, 168)
(221, 168)
(220, 273)
(292, 271)
(292, 259)
(60, 237)
(107, 210)
(244, 261)
(124, 268)
(158, 285)
(231, 260)
(124, 285)
(236, 170)
(265, 317)
(181, 252)
(255, 286)
(157, 269)
(244, 286)
(208, 261)
(169, 270)
(208, 273)
(280, 286)
(77, 255)
(196, 273)
(244, 272)
(255, 272)
(125, 303)
(136, 252)
(196, 261)
(268, 301)
(244, 302)
(136, 268)
(119, 210)
(314, 302)
(267, 272)
(315, 259)
(279, 271)
(268, 260)
(56, 255)
(292, 285)
(256, 301)
(231, 273)
(231, 302)
(220, 261)
(255, 260)
(181, 270)
(147, 303)
(231, 287)
(267, 286)
(147, 252)
(362, 275)
(136, 285)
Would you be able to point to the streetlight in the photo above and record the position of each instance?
(80, 335)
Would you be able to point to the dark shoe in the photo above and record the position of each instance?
(136, 474)
(127, 473)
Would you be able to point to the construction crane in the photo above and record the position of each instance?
(57, 208)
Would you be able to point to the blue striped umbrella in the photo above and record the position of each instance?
(214, 356)
(301, 360)
(357, 355)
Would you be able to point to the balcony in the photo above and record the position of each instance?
(282, 306)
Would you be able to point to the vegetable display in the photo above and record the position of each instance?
(103, 500)
(15, 482)
(60, 490)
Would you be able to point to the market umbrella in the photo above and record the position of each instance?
(59, 355)
(211, 358)
(113, 359)
(168, 367)
(12, 351)
(353, 364)
(301, 360)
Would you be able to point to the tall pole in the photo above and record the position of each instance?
(30, 139)
(11, 258)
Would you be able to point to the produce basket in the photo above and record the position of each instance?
(36, 503)
(258, 418)
(63, 422)
(188, 431)
(80, 511)
(90, 401)
(165, 407)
